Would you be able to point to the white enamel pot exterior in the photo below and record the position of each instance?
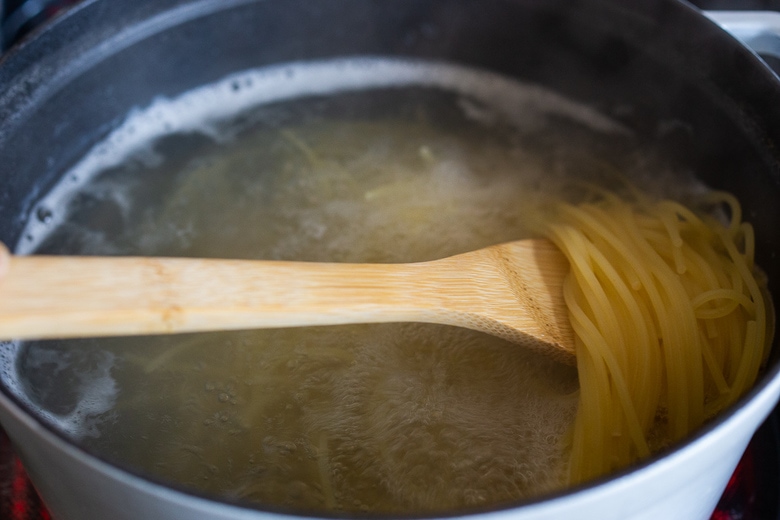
(685, 484)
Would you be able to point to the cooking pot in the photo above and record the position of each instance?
(659, 67)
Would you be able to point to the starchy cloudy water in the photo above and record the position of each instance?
(199, 110)
(362, 160)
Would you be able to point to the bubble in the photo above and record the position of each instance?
(44, 214)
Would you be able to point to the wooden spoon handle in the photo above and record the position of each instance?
(51, 296)
(511, 290)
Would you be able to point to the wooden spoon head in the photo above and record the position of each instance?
(535, 271)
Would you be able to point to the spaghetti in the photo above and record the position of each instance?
(671, 317)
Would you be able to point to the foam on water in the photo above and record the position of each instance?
(96, 391)
(199, 110)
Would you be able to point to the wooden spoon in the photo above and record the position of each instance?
(511, 290)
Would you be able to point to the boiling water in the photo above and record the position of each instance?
(399, 162)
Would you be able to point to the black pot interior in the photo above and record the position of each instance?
(694, 94)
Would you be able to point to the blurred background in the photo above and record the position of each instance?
(738, 4)
(21, 16)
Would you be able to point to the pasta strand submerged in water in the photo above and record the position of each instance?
(671, 317)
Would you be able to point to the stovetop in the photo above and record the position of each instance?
(18, 498)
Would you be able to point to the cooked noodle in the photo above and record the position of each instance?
(671, 318)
